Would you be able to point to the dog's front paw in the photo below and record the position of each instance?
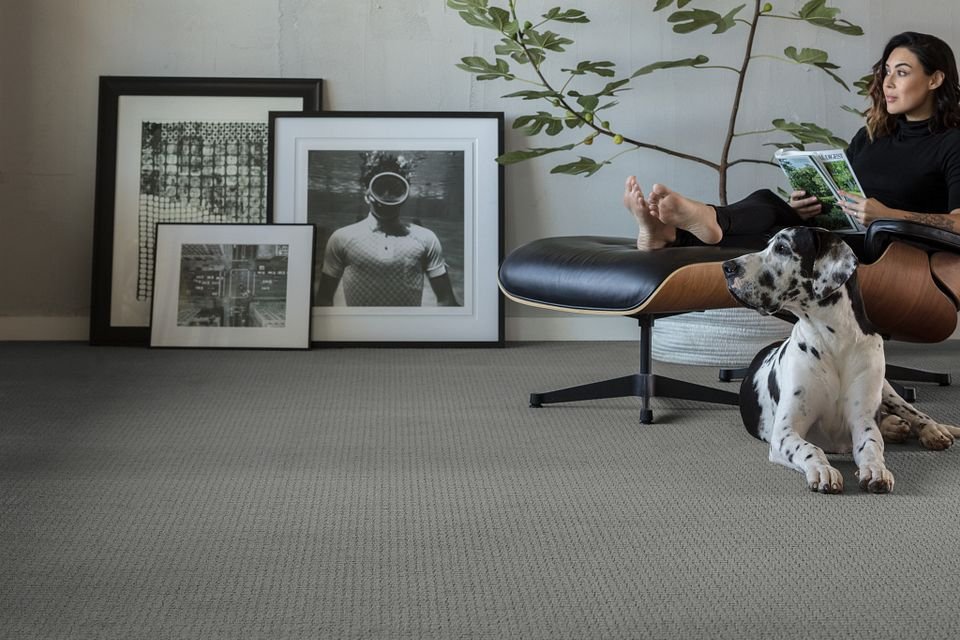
(825, 479)
(875, 478)
(894, 428)
(937, 437)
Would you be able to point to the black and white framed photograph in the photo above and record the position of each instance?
(409, 215)
(175, 150)
(232, 286)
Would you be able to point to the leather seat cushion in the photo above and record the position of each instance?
(596, 273)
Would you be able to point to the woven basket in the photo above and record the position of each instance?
(717, 337)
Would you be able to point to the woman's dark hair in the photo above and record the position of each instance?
(935, 55)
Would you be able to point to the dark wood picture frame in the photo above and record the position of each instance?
(317, 167)
(245, 96)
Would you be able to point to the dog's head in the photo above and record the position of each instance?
(799, 266)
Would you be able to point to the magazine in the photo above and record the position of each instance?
(823, 174)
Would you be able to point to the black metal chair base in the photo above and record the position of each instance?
(893, 372)
(644, 385)
(640, 385)
(909, 374)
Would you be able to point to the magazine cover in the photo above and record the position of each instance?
(838, 168)
(823, 174)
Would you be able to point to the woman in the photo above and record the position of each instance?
(907, 158)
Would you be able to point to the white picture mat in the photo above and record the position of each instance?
(478, 318)
(132, 112)
(165, 332)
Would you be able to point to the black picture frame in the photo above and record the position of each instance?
(318, 166)
(137, 109)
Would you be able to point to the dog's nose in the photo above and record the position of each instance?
(732, 268)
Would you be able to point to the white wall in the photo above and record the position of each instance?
(381, 55)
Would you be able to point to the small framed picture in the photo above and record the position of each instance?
(232, 286)
(177, 150)
(409, 215)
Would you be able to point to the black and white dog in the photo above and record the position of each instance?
(823, 388)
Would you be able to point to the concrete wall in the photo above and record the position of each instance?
(384, 55)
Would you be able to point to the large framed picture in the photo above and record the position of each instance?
(409, 215)
(174, 150)
(232, 285)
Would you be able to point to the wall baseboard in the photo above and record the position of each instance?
(44, 328)
(518, 329)
(18, 328)
(574, 327)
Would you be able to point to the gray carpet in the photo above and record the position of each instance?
(413, 494)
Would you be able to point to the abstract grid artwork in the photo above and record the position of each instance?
(212, 172)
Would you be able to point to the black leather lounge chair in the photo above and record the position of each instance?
(910, 278)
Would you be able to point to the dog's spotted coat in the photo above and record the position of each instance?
(822, 389)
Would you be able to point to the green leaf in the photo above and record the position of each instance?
(467, 5)
(589, 103)
(613, 87)
(785, 145)
(546, 40)
(533, 94)
(585, 166)
(570, 15)
(537, 56)
(849, 109)
(509, 47)
(863, 85)
(818, 9)
(815, 58)
(503, 22)
(541, 121)
(512, 157)
(486, 70)
(477, 20)
(694, 19)
(477, 14)
(805, 55)
(607, 105)
(809, 133)
(827, 69)
(663, 4)
(728, 22)
(671, 64)
(600, 68)
(817, 13)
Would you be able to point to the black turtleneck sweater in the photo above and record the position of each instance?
(912, 169)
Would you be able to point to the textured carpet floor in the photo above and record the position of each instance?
(413, 494)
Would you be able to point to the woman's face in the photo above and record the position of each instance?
(907, 88)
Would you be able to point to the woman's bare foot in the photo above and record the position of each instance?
(681, 212)
(651, 233)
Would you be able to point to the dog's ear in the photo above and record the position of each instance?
(835, 263)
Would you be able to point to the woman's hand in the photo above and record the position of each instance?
(805, 207)
(866, 210)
